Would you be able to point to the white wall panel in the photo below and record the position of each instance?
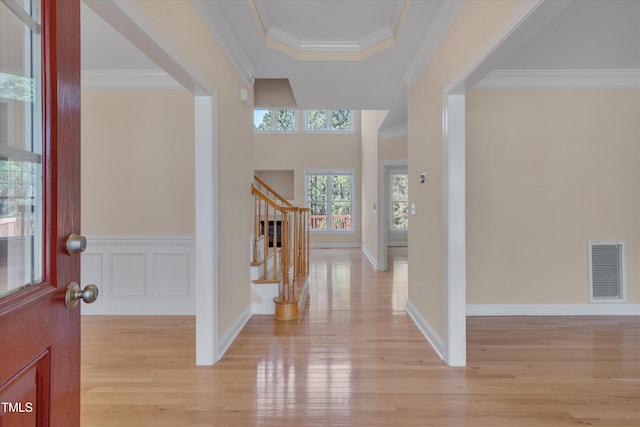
(146, 275)
(128, 274)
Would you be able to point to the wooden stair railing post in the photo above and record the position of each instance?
(284, 253)
(287, 247)
(298, 243)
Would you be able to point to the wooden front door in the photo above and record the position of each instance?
(39, 208)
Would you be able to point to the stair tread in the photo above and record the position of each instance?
(266, 281)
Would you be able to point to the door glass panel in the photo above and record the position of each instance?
(21, 200)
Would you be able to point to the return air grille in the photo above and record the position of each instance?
(606, 271)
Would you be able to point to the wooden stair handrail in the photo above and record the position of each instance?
(268, 200)
(270, 189)
(283, 245)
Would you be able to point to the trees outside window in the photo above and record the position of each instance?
(329, 196)
(399, 200)
(328, 121)
(286, 120)
(275, 120)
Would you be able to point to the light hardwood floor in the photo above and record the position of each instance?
(354, 358)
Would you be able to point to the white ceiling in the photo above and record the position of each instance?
(382, 45)
(104, 49)
(325, 29)
(588, 34)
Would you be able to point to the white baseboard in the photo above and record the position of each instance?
(140, 275)
(432, 337)
(553, 309)
(397, 244)
(371, 258)
(331, 245)
(232, 333)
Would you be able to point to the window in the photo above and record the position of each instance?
(328, 121)
(275, 120)
(329, 192)
(399, 200)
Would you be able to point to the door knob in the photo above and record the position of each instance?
(74, 294)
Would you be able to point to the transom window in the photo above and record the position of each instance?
(275, 120)
(399, 200)
(329, 196)
(328, 121)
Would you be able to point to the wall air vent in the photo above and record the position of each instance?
(607, 271)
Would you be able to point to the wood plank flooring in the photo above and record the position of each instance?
(354, 358)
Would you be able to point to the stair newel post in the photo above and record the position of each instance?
(285, 256)
(265, 240)
(256, 226)
(296, 243)
(299, 255)
(273, 242)
(294, 256)
(304, 241)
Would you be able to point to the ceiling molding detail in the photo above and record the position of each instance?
(219, 28)
(523, 79)
(127, 79)
(446, 17)
(291, 45)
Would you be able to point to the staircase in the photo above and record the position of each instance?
(280, 254)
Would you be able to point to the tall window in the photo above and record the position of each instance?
(399, 200)
(275, 120)
(21, 142)
(328, 121)
(329, 195)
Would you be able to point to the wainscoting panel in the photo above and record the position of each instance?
(169, 273)
(146, 275)
(128, 274)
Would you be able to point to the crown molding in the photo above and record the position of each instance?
(522, 79)
(127, 79)
(446, 17)
(221, 31)
(312, 46)
(330, 46)
(380, 37)
(377, 37)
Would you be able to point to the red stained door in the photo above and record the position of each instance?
(39, 208)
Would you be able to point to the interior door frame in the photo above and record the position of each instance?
(383, 210)
(125, 17)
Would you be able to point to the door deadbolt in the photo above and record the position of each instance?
(76, 244)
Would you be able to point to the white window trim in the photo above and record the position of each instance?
(351, 172)
(279, 131)
(328, 123)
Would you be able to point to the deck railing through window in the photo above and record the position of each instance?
(338, 222)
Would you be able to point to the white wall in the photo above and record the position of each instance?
(137, 200)
(137, 162)
(477, 30)
(547, 171)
